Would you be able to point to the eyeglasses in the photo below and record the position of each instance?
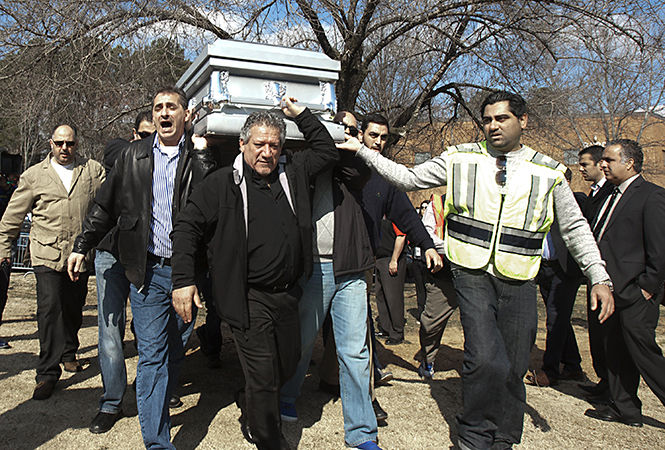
(144, 134)
(500, 177)
(61, 143)
(353, 131)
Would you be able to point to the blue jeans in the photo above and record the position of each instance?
(499, 318)
(112, 292)
(345, 296)
(161, 334)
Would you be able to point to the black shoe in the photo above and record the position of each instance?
(383, 378)
(332, 389)
(609, 414)
(596, 389)
(43, 390)
(600, 399)
(175, 402)
(393, 341)
(103, 422)
(380, 413)
(239, 398)
(381, 334)
(574, 375)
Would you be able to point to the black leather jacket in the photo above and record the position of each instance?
(124, 201)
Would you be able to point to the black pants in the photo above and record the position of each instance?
(5, 271)
(417, 269)
(389, 291)
(597, 333)
(59, 315)
(631, 351)
(559, 290)
(269, 351)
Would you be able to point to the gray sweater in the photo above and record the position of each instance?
(574, 228)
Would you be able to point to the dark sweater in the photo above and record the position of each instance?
(380, 199)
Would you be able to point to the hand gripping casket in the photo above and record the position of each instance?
(231, 79)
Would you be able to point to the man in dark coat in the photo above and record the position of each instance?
(256, 220)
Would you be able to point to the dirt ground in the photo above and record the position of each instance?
(422, 415)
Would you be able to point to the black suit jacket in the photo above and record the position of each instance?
(565, 259)
(594, 202)
(633, 244)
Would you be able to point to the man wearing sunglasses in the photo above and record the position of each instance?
(58, 191)
(501, 200)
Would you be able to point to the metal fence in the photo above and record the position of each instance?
(21, 250)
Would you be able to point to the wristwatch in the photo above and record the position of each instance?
(607, 283)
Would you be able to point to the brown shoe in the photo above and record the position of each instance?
(43, 390)
(72, 366)
(539, 378)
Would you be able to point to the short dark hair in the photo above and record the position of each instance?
(74, 129)
(266, 119)
(172, 90)
(595, 151)
(143, 116)
(374, 118)
(568, 174)
(516, 103)
(630, 150)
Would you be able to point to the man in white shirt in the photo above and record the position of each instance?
(58, 191)
(628, 228)
(590, 168)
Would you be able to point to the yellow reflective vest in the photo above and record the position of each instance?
(487, 223)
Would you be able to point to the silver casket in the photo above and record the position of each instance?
(231, 79)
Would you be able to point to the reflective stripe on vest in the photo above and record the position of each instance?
(485, 223)
(437, 208)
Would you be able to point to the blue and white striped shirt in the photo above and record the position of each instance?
(163, 181)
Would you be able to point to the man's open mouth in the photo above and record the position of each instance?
(165, 125)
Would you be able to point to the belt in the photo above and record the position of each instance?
(154, 259)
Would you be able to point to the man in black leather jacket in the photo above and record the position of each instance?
(142, 196)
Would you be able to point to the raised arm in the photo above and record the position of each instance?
(429, 174)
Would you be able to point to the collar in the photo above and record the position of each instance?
(157, 146)
(623, 186)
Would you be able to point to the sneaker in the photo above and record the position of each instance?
(426, 371)
(369, 445)
(288, 412)
(4, 344)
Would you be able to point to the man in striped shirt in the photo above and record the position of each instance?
(146, 188)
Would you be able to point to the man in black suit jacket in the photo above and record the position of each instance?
(628, 229)
(559, 279)
(590, 168)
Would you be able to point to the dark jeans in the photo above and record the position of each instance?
(559, 291)
(59, 315)
(389, 291)
(269, 351)
(499, 318)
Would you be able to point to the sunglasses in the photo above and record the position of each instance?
(61, 143)
(144, 134)
(352, 131)
(500, 177)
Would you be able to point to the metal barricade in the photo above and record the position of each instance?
(21, 250)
